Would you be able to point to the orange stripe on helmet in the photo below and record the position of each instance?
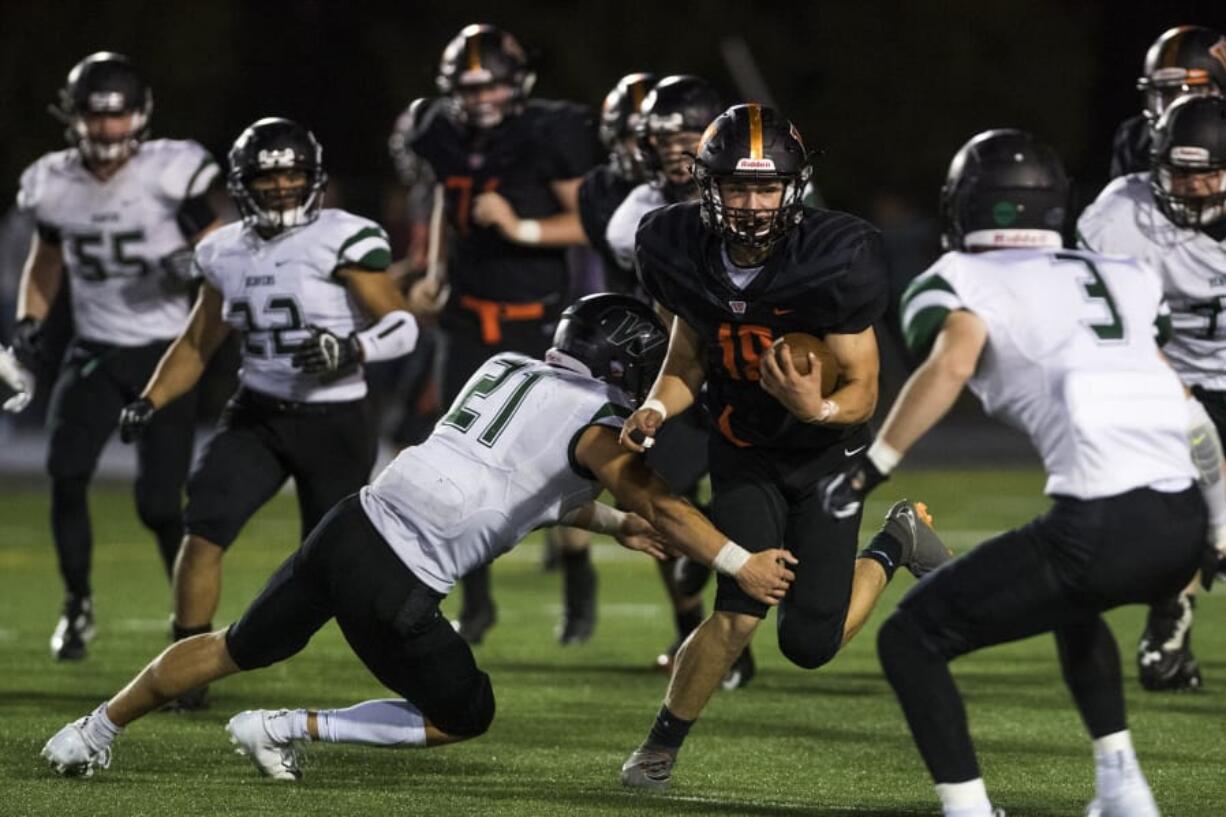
(474, 52)
(755, 130)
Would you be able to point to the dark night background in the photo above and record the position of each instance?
(888, 89)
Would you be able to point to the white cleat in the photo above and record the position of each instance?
(275, 759)
(1135, 802)
(72, 755)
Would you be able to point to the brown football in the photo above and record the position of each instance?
(801, 345)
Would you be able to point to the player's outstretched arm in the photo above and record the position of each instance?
(764, 576)
(632, 531)
(187, 357)
(674, 391)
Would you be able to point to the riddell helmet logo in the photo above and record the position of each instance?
(755, 164)
(105, 101)
(275, 158)
(1190, 155)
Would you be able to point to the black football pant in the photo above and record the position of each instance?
(346, 569)
(328, 448)
(94, 383)
(1056, 574)
(762, 499)
(462, 352)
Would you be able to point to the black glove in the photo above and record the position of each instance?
(325, 353)
(27, 342)
(843, 492)
(1212, 567)
(134, 418)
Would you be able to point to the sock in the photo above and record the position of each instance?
(668, 731)
(886, 551)
(99, 729)
(1115, 763)
(389, 722)
(969, 799)
(180, 633)
(687, 621)
(287, 725)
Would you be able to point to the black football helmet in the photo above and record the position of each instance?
(620, 339)
(1184, 60)
(273, 145)
(677, 104)
(619, 120)
(482, 55)
(104, 83)
(748, 143)
(1189, 161)
(1004, 189)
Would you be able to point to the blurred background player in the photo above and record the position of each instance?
(1173, 218)
(744, 265)
(307, 290)
(509, 168)
(1184, 60)
(1062, 345)
(606, 186)
(118, 214)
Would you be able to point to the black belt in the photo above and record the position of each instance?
(266, 402)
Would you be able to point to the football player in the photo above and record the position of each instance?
(510, 167)
(118, 214)
(1060, 344)
(1184, 60)
(307, 290)
(606, 186)
(1173, 219)
(528, 443)
(744, 265)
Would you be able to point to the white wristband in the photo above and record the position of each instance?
(731, 558)
(656, 406)
(827, 412)
(883, 456)
(528, 231)
(606, 519)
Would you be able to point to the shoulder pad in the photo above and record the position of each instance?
(36, 178)
(414, 121)
(184, 168)
(360, 242)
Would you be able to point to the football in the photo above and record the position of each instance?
(801, 345)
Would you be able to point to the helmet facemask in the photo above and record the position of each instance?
(486, 105)
(1188, 196)
(755, 228)
(276, 200)
(97, 140)
(1159, 94)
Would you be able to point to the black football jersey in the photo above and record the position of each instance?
(602, 190)
(546, 142)
(827, 276)
(1130, 147)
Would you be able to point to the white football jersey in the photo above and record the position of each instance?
(274, 289)
(1124, 220)
(116, 234)
(625, 221)
(497, 466)
(1071, 359)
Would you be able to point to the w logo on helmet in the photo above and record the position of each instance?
(269, 159)
(637, 335)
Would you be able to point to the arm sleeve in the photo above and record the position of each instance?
(393, 335)
(925, 305)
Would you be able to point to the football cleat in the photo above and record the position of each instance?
(474, 622)
(1164, 654)
(249, 733)
(911, 524)
(741, 672)
(194, 701)
(649, 767)
(71, 753)
(74, 630)
(690, 576)
(579, 610)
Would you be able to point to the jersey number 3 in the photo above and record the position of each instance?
(464, 416)
(1095, 291)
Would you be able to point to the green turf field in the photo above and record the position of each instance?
(830, 742)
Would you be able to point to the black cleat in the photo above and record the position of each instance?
(1164, 655)
(476, 620)
(74, 630)
(579, 608)
(194, 701)
(911, 524)
(690, 576)
(741, 672)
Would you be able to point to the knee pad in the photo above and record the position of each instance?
(69, 490)
(809, 644)
(158, 508)
(906, 635)
(69, 455)
(470, 711)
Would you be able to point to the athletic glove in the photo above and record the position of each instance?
(16, 383)
(843, 493)
(27, 342)
(325, 353)
(134, 418)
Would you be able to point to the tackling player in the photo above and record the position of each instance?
(1173, 219)
(307, 290)
(528, 443)
(118, 214)
(1184, 60)
(741, 267)
(510, 168)
(1060, 344)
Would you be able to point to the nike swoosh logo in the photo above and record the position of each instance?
(852, 452)
(779, 311)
